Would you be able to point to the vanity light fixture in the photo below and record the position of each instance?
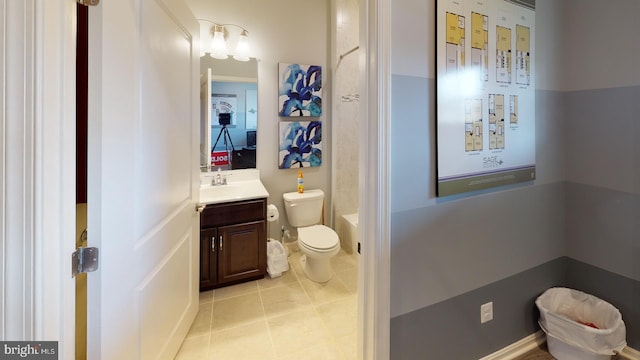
(216, 45)
(242, 50)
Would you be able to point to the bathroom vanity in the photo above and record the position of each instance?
(233, 236)
(233, 243)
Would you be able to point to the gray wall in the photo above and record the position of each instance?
(603, 153)
(507, 245)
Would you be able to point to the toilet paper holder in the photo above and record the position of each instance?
(272, 213)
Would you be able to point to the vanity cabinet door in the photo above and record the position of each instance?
(208, 258)
(242, 251)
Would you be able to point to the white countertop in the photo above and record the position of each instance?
(241, 185)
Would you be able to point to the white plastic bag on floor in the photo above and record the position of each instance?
(582, 320)
(277, 262)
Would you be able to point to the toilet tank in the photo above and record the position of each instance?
(304, 209)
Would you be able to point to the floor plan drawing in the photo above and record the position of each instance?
(513, 109)
(480, 44)
(455, 39)
(496, 121)
(523, 48)
(473, 125)
(503, 54)
(485, 67)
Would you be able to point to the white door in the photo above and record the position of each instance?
(143, 177)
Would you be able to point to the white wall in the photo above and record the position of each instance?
(346, 119)
(37, 190)
(17, 134)
(287, 31)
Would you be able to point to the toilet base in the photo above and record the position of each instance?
(316, 269)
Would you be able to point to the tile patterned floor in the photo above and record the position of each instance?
(288, 317)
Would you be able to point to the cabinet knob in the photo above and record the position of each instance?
(213, 244)
(220, 242)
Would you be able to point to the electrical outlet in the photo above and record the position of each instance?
(486, 312)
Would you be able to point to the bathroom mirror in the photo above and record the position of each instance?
(229, 113)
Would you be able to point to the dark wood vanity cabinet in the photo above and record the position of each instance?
(233, 243)
(208, 258)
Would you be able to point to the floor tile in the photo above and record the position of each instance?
(328, 351)
(287, 277)
(349, 346)
(284, 299)
(344, 262)
(247, 342)
(284, 318)
(350, 279)
(194, 348)
(294, 263)
(235, 290)
(295, 332)
(206, 297)
(340, 316)
(236, 311)
(321, 293)
(202, 324)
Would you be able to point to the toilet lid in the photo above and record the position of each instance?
(318, 237)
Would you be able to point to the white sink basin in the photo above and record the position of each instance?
(233, 191)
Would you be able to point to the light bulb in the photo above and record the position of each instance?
(218, 44)
(242, 50)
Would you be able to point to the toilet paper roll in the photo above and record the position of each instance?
(272, 213)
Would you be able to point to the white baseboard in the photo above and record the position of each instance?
(533, 341)
(630, 354)
(518, 348)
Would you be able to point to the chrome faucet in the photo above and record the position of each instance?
(219, 179)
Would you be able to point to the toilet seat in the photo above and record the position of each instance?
(318, 238)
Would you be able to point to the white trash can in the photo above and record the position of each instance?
(580, 326)
(277, 262)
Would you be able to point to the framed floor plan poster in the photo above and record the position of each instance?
(485, 94)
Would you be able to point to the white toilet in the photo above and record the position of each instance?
(317, 242)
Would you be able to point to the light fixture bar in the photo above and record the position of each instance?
(218, 44)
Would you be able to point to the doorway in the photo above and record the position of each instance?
(81, 173)
(375, 231)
